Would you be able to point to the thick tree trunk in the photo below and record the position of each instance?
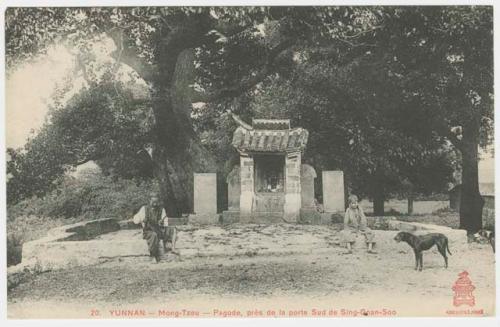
(174, 172)
(471, 201)
(378, 204)
(410, 203)
(178, 152)
(378, 193)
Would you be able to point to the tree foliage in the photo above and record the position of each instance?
(103, 123)
(387, 92)
(443, 58)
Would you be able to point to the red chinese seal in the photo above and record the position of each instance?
(463, 290)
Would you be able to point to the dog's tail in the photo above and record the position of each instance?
(448, 248)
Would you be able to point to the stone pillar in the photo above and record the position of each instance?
(233, 189)
(232, 214)
(307, 176)
(333, 191)
(308, 212)
(247, 185)
(292, 187)
(205, 199)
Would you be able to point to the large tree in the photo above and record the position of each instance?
(357, 125)
(405, 77)
(443, 57)
(163, 45)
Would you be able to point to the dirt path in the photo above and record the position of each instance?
(299, 282)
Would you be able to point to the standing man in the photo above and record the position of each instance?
(154, 221)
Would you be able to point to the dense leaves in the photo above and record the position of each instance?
(392, 95)
(103, 123)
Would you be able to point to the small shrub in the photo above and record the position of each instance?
(91, 196)
(14, 249)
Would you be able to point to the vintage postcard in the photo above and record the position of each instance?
(249, 162)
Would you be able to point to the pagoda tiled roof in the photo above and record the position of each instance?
(270, 140)
(271, 123)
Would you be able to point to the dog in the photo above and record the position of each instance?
(423, 243)
(488, 235)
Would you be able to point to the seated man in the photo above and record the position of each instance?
(354, 224)
(154, 221)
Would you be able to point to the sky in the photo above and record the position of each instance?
(30, 87)
(28, 92)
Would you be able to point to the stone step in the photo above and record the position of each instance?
(263, 218)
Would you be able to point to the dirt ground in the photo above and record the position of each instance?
(258, 285)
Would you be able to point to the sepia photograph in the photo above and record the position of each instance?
(249, 161)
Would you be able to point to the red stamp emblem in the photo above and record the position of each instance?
(463, 290)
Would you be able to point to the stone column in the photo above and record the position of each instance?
(307, 177)
(308, 212)
(247, 185)
(292, 187)
(333, 191)
(233, 189)
(205, 199)
(205, 193)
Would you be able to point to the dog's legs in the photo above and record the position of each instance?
(442, 250)
(416, 259)
(421, 259)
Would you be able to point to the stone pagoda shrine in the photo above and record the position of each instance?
(267, 186)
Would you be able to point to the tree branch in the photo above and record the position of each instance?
(83, 161)
(250, 82)
(129, 55)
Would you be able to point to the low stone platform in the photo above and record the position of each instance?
(66, 247)
(204, 219)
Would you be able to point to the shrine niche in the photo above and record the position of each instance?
(269, 171)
